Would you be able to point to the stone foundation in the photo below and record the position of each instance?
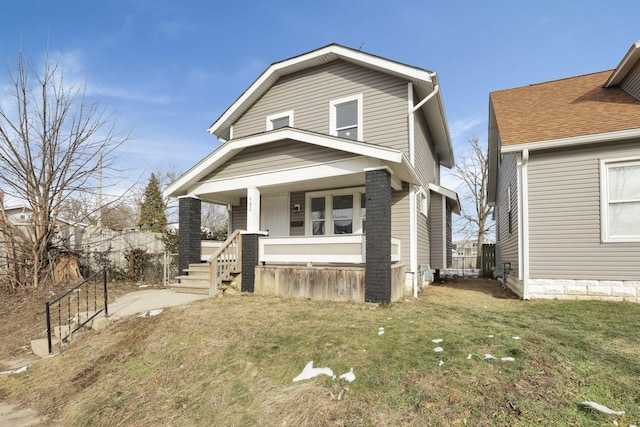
(604, 290)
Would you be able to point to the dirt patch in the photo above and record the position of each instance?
(484, 286)
(23, 320)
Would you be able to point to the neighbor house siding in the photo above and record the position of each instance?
(400, 220)
(631, 84)
(437, 231)
(279, 155)
(564, 216)
(507, 247)
(309, 92)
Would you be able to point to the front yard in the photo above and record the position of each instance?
(464, 353)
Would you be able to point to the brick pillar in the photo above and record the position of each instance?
(377, 286)
(249, 261)
(189, 248)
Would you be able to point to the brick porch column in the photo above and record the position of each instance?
(377, 279)
(249, 260)
(189, 218)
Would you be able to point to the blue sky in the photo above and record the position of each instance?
(168, 69)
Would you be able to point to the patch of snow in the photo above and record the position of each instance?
(437, 340)
(489, 336)
(143, 314)
(441, 363)
(488, 356)
(438, 349)
(601, 408)
(310, 372)
(14, 371)
(380, 330)
(516, 338)
(469, 356)
(155, 312)
(348, 376)
(507, 359)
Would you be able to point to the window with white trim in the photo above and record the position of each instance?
(620, 196)
(280, 120)
(422, 202)
(336, 212)
(345, 117)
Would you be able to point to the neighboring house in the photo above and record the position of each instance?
(320, 151)
(565, 181)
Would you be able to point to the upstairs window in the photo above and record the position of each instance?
(280, 120)
(620, 196)
(346, 117)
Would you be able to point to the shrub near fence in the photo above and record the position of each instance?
(158, 268)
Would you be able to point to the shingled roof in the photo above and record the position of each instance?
(566, 108)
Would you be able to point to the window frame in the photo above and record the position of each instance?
(422, 201)
(605, 165)
(328, 195)
(272, 117)
(333, 129)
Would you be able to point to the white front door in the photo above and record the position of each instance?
(275, 214)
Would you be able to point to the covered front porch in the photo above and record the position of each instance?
(302, 200)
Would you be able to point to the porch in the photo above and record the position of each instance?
(317, 267)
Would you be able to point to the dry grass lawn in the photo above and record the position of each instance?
(230, 361)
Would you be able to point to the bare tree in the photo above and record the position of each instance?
(473, 171)
(51, 142)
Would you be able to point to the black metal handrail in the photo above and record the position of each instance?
(82, 296)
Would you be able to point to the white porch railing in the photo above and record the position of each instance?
(348, 248)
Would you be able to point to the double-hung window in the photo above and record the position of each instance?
(339, 212)
(620, 197)
(345, 116)
(280, 120)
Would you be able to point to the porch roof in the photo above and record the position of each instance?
(451, 196)
(393, 160)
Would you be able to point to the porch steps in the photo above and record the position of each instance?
(196, 281)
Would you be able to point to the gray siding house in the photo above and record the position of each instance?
(565, 182)
(329, 160)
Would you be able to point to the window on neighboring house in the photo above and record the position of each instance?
(346, 117)
(280, 120)
(620, 196)
(338, 212)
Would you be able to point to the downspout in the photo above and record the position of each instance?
(523, 227)
(413, 217)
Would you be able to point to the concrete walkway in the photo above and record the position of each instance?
(131, 304)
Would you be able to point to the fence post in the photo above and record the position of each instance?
(104, 282)
(48, 327)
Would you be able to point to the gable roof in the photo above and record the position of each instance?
(424, 83)
(568, 108)
(628, 63)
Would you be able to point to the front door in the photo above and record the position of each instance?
(275, 214)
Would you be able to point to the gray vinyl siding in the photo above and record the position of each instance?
(423, 240)
(507, 242)
(276, 156)
(400, 221)
(631, 84)
(449, 243)
(424, 152)
(564, 216)
(299, 199)
(309, 92)
(437, 231)
(239, 216)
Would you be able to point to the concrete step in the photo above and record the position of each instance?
(40, 347)
(64, 330)
(190, 288)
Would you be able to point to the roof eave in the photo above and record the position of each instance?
(628, 62)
